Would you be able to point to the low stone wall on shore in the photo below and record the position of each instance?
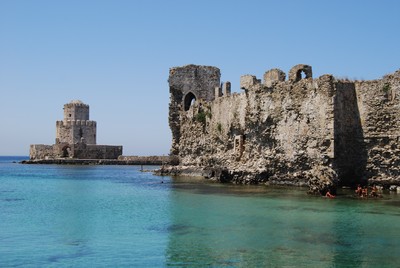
(122, 160)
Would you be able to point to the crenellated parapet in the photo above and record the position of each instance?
(247, 81)
(224, 91)
(273, 76)
(69, 123)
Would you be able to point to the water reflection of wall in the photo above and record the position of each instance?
(249, 229)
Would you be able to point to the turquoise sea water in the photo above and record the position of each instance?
(117, 216)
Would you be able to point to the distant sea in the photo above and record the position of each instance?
(118, 216)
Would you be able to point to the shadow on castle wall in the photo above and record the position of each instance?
(350, 149)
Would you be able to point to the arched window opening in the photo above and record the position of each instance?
(189, 100)
(301, 74)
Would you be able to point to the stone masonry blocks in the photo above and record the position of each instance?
(274, 75)
(247, 81)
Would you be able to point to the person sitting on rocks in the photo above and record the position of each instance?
(328, 194)
(364, 192)
(374, 191)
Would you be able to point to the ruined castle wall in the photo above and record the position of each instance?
(379, 108)
(41, 151)
(271, 131)
(224, 118)
(89, 151)
(322, 131)
(228, 112)
(350, 154)
(76, 151)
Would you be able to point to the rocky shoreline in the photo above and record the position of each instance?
(224, 175)
(317, 184)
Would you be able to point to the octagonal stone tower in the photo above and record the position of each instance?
(76, 126)
(75, 138)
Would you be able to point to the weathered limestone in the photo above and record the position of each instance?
(75, 138)
(226, 89)
(218, 92)
(274, 75)
(247, 81)
(317, 132)
(378, 109)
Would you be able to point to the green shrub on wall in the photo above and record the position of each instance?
(386, 87)
(201, 117)
(219, 127)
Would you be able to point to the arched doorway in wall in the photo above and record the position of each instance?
(189, 100)
(65, 151)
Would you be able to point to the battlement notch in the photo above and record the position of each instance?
(248, 80)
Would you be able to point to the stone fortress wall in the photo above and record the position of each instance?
(72, 131)
(319, 132)
(75, 138)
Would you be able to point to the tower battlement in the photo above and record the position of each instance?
(76, 110)
(76, 126)
(69, 123)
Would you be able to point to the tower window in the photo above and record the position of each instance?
(189, 100)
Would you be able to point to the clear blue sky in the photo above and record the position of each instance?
(115, 56)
